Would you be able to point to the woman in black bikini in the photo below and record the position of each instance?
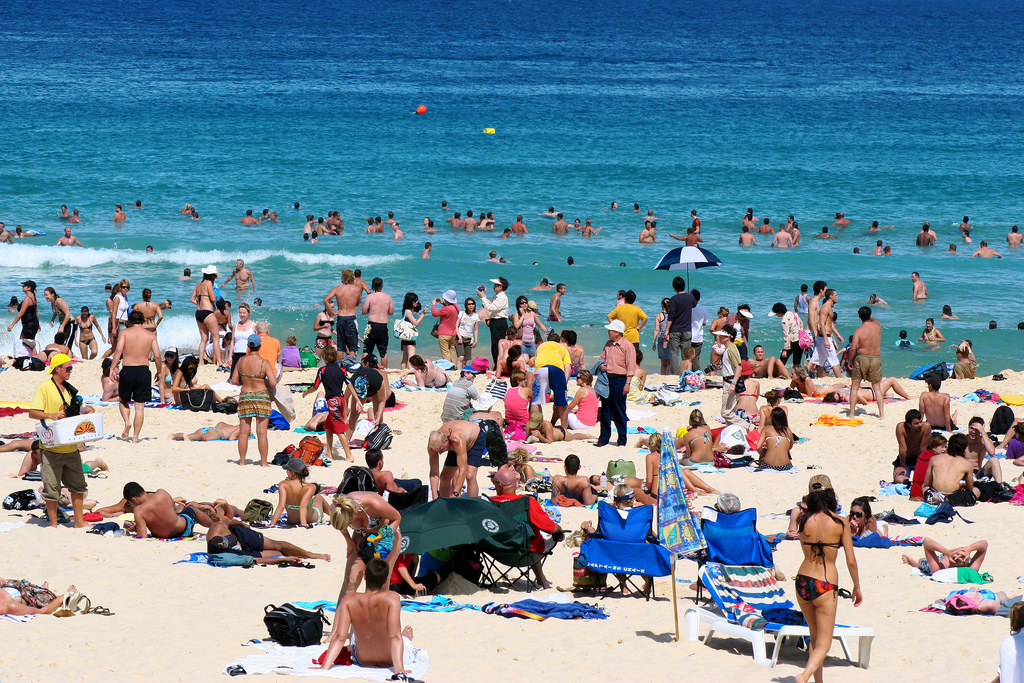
(204, 297)
(822, 533)
(28, 313)
(775, 443)
(87, 338)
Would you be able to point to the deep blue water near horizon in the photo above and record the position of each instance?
(898, 112)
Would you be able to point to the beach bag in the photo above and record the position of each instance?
(197, 400)
(1002, 420)
(257, 510)
(357, 478)
(293, 627)
(583, 578)
(29, 363)
(22, 500)
(667, 396)
(433, 330)
(938, 370)
(600, 380)
(617, 468)
(497, 449)
(405, 330)
(225, 407)
(962, 499)
(497, 388)
(804, 339)
(693, 381)
(359, 434)
(380, 438)
(278, 421)
(231, 560)
(311, 451)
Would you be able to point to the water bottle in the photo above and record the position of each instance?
(604, 481)
(546, 475)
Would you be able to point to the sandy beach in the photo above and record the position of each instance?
(184, 622)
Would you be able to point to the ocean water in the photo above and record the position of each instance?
(898, 112)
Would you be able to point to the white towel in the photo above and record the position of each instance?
(297, 661)
(19, 617)
(7, 526)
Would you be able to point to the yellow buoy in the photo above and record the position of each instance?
(489, 131)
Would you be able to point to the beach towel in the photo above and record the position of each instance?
(19, 617)
(197, 558)
(955, 575)
(641, 430)
(297, 661)
(836, 421)
(893, 490)
(792, 469)
(10, 412)
(7, 526)
(636, 415)
(539, 611)
(566, 502)
(437, 603)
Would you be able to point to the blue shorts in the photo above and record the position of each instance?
(189, 515)
(348, 334)
(474, 455)
(550, 377)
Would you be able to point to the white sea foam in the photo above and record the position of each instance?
(23, 257)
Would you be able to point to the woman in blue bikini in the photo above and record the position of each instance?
(299, 501)
(822, 533)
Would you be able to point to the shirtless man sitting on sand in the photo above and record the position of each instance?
(155, 514)
(937, 557)
(767, 367)
(372, 624)
(934, 405)
(979, 447)
(572, 485)
(912, 436)
(950, 471)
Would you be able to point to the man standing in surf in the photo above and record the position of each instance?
(347, 296)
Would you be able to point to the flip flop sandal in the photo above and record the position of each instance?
(102, 611)
(78, 603)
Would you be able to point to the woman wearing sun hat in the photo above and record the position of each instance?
(447, 326)
(204, 296)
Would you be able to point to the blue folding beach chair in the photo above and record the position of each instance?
(625, 545)
(733, 539)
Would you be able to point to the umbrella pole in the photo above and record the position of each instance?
(675, 603)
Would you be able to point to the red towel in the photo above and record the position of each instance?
(8, 412)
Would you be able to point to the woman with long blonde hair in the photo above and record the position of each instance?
(370, 527)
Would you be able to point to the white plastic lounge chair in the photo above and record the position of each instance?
(742, 595)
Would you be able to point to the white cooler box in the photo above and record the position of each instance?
(70, 430)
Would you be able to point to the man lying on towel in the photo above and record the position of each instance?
(155, 514)
(234, 536)
(375, 622)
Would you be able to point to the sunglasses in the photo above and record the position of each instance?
(856, 514)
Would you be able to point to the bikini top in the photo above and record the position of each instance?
(372, 523)
(818, 547)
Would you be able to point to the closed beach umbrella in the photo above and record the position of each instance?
(682, 258)
(450, 522)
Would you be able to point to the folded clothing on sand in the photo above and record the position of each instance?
(539, 611)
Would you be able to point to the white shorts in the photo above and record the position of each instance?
(824, 354)
(575, 423)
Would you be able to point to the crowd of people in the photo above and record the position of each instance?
(529, 365)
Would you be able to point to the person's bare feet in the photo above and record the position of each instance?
(241, 461)
(909, 560)
(322, 556)
(124, 434)
(407, 632)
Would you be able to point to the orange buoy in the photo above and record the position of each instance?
(422, 109)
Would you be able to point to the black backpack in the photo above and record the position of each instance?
(380, 438)
(22, 500)
(1002, 420)
(357, 478)
(294, 627)
(938, 370)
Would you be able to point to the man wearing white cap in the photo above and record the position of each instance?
(497, 309)
(448, 323)
(619, 358)
(60, 464)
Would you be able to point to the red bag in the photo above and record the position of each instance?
(310, 451)
(344, 658)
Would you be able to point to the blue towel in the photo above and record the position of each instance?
(548, 610)
(894, 490)
(872, 541)
(438, 603)
(196, 558)
(641, 430)
(328, 605)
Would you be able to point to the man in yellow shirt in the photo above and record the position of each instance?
(552, 367)
(632, 316)
(60, 464)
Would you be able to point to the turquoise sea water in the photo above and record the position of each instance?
(898, 112)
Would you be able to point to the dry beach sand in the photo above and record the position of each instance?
(183, 622)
